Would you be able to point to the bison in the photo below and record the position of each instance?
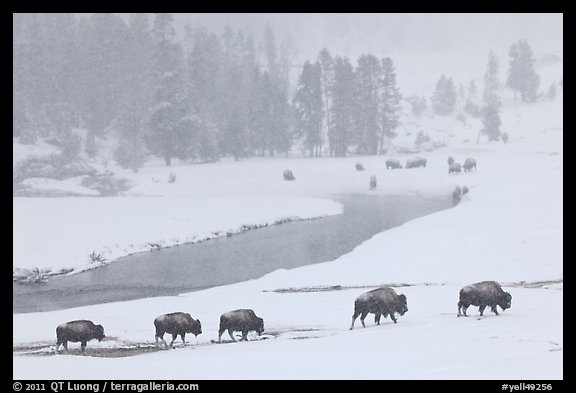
(415, 162)
(450, 160)
(243, 320)
(359, 166)
(288, 175)
(393, 163)
(482, 294)
(78, 331)
(381, 301)
(176, 324)
(455, 168)
(457, 195)
(469, 164)
(373, 182)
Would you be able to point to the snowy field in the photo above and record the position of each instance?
(508, 228)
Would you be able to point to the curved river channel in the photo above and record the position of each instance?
(248, 255)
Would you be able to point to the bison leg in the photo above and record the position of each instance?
(220, 332)
(377, 318)
(183, 335)
(230, 331)
(362, 318)
(354, 319)
(244, 335)
(392, 317)
(464, 308)
(494, 309)
(83, 345)
(174, 336)
(482, 308)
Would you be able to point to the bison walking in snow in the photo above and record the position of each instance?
(176, 324)
(455, 168)
(415, 162)
(482, 294)
(381, 301)
(240, 320)
(359, 166)
(78, 331)
(288, 175)
(393, 163)
(469, 164)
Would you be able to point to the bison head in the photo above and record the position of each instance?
(196, 327)
(401, 304)
(99, 332)
(505, 301)
(260, 326)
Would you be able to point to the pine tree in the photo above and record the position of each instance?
(491, 121)
(308, 107)
(491, 82)
(444, 97)
(172, 124)
(342, 108)
(522, 75)
(490, 113)
(368, 87)
(390, 103)
(326, 64)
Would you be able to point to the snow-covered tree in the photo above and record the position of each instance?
(444, 97)
(522, 77)
(368, 88)
(390, 106)
(342, 106)
(308, 108)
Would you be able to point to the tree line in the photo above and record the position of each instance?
(202, 96)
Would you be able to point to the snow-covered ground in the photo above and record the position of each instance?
(508, 228)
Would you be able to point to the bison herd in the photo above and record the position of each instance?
(383, 301)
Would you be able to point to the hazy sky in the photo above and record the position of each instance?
(352, 34)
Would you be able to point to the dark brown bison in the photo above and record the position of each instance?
(240, 320)
(455, 168)
(381, 301)
(373, 182)
(456, 195)
(450, 160)
(393, 163)
(78, 331)
(359, 166)
(469, 164)
(288, 175)
(415, 162)
(176, 324)
(482, 294)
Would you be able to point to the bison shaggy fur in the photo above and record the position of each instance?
(415, 162)
(243, 320)
(381, 301)
(176, 324)
(455, 168)
(469, 164)
(78, 331)
(483, 294)
(393, 163)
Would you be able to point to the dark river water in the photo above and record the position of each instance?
(241, 257)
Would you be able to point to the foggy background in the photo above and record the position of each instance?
(351, 34)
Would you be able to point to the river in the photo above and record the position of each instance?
(248, 255)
